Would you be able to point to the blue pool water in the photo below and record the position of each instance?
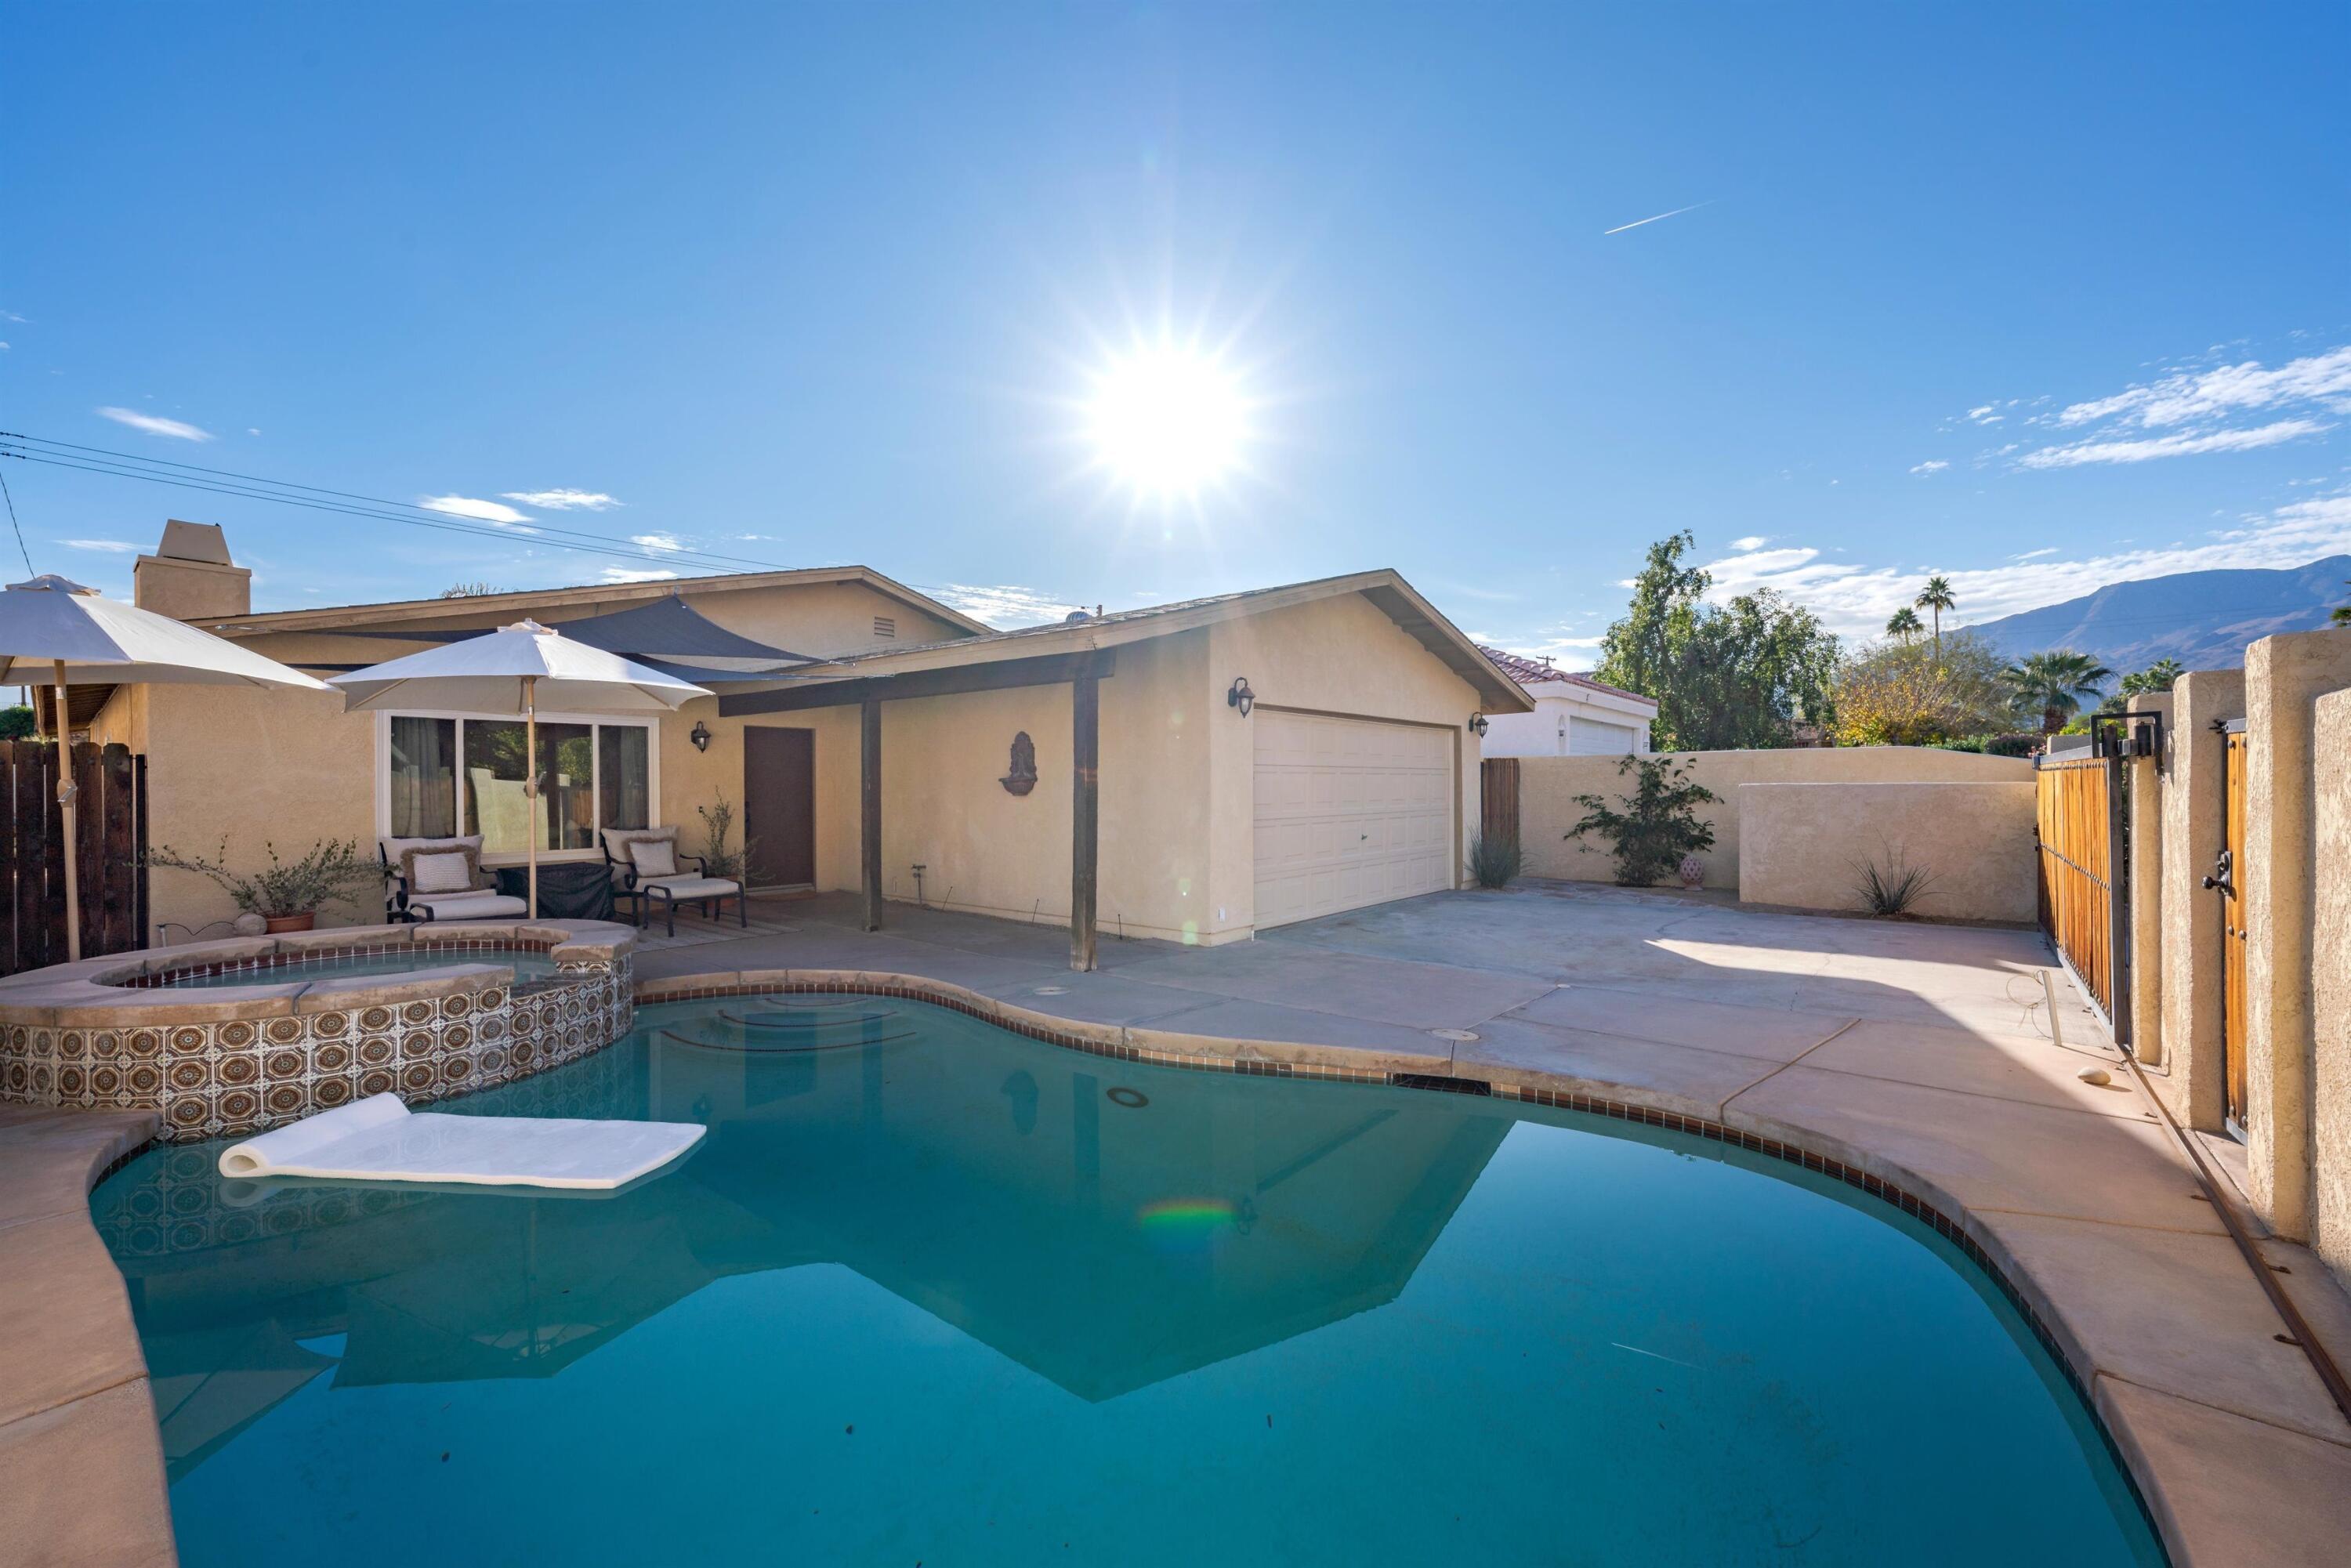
(930, 1293)
(527, 965)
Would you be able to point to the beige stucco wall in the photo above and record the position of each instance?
(2284, 676)
(1548, 787)
(2330, 979)
(1341, 655)
(2195, 763)
(2145, 775)
(1801, 846)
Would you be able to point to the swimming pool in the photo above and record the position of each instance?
(933, 1293)
(527, 964)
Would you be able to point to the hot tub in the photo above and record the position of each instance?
(224, 1039)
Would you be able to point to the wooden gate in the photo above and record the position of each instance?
(2083, 900)
(2230, 880)
(1498, 804)
(111, 856)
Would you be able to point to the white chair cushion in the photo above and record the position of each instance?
(685, 887)
(623, 840)
(655, 858)
(478, 905)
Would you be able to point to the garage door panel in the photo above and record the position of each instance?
(1348, 812)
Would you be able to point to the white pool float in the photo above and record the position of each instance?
(379, 1139)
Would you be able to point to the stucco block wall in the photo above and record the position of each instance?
(1548, 787)
(1801, 846)
(2195, 763)
(2285, 678)
(1342, 655)
(2330, 979)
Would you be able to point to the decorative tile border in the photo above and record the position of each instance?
(261, 967)
(230, 1077)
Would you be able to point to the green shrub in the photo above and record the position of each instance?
(1658, 825)
(1890, 885)
(330, 872)
(1496, 863)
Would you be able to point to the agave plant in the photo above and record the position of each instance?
(2056, 684)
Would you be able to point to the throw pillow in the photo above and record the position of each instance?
(656, 857)
(440, 868)
(625, 843)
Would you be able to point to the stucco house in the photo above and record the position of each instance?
(1196, 771)
(1574, 714)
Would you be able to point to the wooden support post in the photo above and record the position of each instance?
(1085, 811)
(870, 810)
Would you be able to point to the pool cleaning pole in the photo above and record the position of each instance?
(530, 780)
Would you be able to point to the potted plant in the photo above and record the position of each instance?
(289, 895)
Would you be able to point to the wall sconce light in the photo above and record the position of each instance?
(1478, 725)
(1240, 696)
(700, 735)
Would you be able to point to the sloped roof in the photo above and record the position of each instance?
(1384, 588)
(1529, 672)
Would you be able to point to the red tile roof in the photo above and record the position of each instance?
(1534, 672)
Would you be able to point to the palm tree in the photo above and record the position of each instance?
(2056, 683)
(1905, 624)
(2342, 613)
(1937, 597)
(2156, 678)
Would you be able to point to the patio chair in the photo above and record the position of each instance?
(647, 886)
(402, 903)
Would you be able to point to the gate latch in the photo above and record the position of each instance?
(2220, 877)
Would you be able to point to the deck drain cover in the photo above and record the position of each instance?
(1051, 992)
(1132, 1099)
(1461, 1034)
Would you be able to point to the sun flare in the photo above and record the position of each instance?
(1169, 420)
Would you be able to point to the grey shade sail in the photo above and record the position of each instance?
(667, 634)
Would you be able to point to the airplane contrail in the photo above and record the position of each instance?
(1678, 212)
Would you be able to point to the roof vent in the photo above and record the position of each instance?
(885, 626)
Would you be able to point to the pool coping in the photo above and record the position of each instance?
(113, 1470)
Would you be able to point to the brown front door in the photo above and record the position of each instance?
(780, 805)
(2233, 888)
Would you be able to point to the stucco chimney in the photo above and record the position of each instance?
(190, 577)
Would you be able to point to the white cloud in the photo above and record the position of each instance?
(10, 316)
(1857, 600)
(1986, 415)
(1752, 541)
(2180, 445)
(496, 512)
(632, 574)
(1934, 465)
(155, 424)
(563, 500)
(2186, 395)
(1005, 604)
(656, 541)
(2035, 554)
(111, 546)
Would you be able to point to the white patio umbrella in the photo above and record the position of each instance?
(61, 634)
(511, 671)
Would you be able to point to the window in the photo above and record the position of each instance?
(885, 626)
(449, 774)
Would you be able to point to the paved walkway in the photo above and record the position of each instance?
(1922, 1054)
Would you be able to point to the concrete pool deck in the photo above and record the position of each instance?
(1918, 1054)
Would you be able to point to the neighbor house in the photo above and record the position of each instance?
(1574, 715)
(1198, 771)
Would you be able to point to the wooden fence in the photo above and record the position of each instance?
(110, 856)
(2085, 903)
(1498, 804)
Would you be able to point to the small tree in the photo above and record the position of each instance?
(332, 870)
(718, 825)
(1900, 694)
(15, 722)
(1659, 823)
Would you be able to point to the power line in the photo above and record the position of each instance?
(226, 482)
(18, 526)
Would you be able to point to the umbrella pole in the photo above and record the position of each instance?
(531, 783)
(66, 809)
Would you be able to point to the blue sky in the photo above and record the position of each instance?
(2037, 299)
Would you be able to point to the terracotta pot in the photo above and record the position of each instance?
(278, 922)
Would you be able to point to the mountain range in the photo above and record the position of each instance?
(2203, 619)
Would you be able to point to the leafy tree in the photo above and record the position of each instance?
(2054, 684)
(1905, 623)
(1900, 694)
(1725, 676)
(1936, 596)
(15, 722)
(1658, 824)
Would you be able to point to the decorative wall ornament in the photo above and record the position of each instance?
(1023, 777)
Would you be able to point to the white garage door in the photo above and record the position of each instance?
(1350, 812)
(1590, 737)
